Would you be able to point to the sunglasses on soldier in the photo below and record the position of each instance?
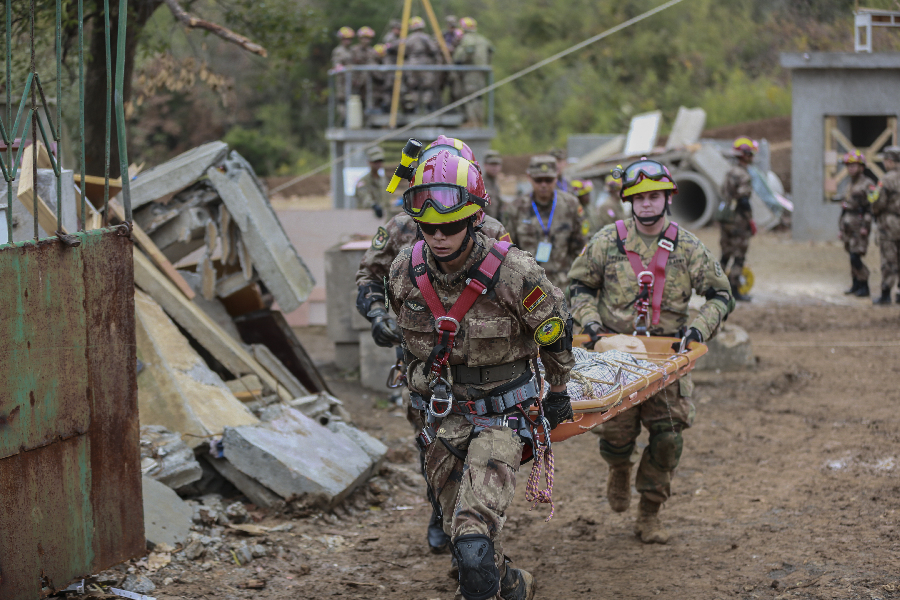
(448, 229)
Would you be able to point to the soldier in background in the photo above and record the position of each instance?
(341, 57)
(382, 82)
(421, 86)
(362, 53)
(370, 189)
(886, 207)
(609, 204)
(856, 219)
(493, 163)
(735, 216)
(561, 182)
(614, 290)
(392, 39)
(474, 50)
(452, 34)
(582, 189)
(546, 222)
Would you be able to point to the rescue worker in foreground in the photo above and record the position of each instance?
(400, 233)
(546, 223)
(735, 216)
(470, 369)
(370, 189)
(856, 219)
(886, 207)
(636, 276)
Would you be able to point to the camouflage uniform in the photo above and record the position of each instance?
(475, 493)
(398, 234)
(607, 212)
(887, 216)
(371, 191)
(493, 190)
(734, 218)
(603, 268)
(856, 218)
(363, 54)
(565, 232)
(474, 49)
(421, 49)
(341, 56)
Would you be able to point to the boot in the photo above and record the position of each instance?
(618, 487)
(517, 584)
(438, 541)
(854, 287)
(647, 526)
(863, 290)
(885, 299)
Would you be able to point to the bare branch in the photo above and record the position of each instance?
(226, 34)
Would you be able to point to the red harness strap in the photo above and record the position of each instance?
(447, 323)
(651, 278)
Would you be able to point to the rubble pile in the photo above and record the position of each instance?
(229, 400)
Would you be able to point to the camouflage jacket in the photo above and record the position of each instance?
(854, 195)
(364, 55)
(887, 206)
(597, 217)
(473, 49)
(372, 190)
(737, 185)
(604, 268)
(398, 234)
(499, 328)
(341, 56)
(565, 232)
(421, 49)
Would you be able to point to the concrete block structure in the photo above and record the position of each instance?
(840, 100)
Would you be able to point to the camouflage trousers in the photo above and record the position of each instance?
(475, 493)
(665, 415)
(890, 261)
(735, 241)
(856, 242)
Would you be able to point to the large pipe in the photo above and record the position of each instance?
(695, 203)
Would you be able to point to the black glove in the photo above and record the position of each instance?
(693, 335)
(557, 408)
(384, 328)
(379, 212)
(593, 329)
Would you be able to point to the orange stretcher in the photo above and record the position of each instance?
(669, 366)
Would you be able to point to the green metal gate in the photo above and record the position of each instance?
(70, 481)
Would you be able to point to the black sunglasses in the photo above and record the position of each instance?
(543, 179)
(448, 229)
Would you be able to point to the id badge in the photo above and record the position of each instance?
(543, 252)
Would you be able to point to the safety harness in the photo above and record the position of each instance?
(651, 278)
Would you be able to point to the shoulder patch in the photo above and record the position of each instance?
(535, 297)
(381, 238)
(549, 331)
(505, 238)
(415, 306)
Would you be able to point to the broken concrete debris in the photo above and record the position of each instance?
(227, 394)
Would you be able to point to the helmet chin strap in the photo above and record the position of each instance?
(470, 234)
(649, 221)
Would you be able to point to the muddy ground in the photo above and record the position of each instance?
(788, 486)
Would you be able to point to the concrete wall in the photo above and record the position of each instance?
(831, 83)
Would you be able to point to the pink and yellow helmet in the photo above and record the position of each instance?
(454, 146)
(744, 146)
(581, 187)
(445, 189)
(365, 31)
(346, 33)
(468, 24)
(854, 157)
(416, 23)
(645, 176)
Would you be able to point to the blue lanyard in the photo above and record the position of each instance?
(534, 207)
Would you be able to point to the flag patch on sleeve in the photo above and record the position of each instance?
(535, 297)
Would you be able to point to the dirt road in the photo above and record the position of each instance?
(788, 486)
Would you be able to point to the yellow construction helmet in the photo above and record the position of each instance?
(644, 176)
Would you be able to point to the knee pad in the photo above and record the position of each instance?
(616, 455)
(665, 449)
(479, 578)
(855, 261)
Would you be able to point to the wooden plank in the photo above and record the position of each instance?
(199, 325)
(46, 217)
(155, 253)
(267, 359)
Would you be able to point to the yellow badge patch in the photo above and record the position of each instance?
(381, 238)
(549, 331)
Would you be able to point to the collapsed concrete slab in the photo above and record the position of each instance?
(167, 518)
(296, 457)
(176, 389)
(729, 351)
(166, 458)
(176, 174)
(274, 257)
(373, 447)
(256, 492)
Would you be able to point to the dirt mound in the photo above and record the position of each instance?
(776, 129)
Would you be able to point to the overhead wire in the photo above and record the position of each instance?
(393, 133)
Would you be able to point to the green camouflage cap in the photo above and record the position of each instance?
(542, 165)
(892, 152)
(492, 157)
(375, 153)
